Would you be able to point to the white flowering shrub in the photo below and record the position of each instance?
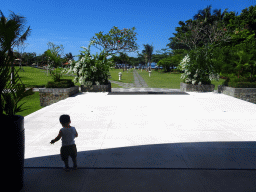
(90, 70)
(197, 73)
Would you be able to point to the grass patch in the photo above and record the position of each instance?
(159, 79)
(32, 102)
(127, 77)
(34, 77)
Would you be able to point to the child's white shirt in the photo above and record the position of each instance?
(68, 136)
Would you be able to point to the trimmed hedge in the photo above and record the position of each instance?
(242, 85)
(239, 83)
(63, 83)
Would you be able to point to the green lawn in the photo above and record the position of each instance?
(159, 79)
(33, 77)
(127, 77)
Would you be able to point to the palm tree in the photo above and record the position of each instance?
(69, 56)
(148, 52)
(217, 14)
(205, 16)
(10, 34)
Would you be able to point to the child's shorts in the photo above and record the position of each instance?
(69, 150)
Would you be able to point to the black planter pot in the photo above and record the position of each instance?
(14, 152)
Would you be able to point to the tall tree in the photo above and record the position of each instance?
(205, 18)
(133, 61)
(115, 59)
(69, 56)
(243, 33)
(204, 15)
(249, 15)
(124, 58)
(161, 54)
(148, 51)
(141, 60)
(54, 53)
(21, 49)
(116, 40)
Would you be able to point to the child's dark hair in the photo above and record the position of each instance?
(64, 120)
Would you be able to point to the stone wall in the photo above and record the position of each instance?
(246, 94)
(97, 88)
(49, 96)
(196, 88)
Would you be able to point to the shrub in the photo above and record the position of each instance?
(242, 85)
(236, 82)
(63, 83)
(225, 83)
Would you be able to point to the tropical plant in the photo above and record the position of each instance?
(91, 69)
(199, 69)
(165, 63)
(148, 51)
(11, 35)
(54, 53)
(68, 57)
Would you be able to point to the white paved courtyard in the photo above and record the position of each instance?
(170, 129)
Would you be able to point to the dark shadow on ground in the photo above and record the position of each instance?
(201, 155)
(193, 167)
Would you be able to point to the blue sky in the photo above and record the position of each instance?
(74, 23)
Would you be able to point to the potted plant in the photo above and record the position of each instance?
(14, 124)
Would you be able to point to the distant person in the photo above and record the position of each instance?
(68, 134)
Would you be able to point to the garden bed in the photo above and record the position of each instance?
(196, 88)
(246, 94)
(97, 88)
(49, 96)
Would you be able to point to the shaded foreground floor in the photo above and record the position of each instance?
(206, 142)
(191, 180)
(204, 166)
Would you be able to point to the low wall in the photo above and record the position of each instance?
(97, 88)
(196, 88)
(49, 96)
(246, 94)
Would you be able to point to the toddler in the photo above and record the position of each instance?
(67, 133)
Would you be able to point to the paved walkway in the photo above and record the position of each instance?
(138, 82)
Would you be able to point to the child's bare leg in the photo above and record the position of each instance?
(66, 163)
(74, 161)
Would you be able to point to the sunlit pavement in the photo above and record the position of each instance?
(151, 142)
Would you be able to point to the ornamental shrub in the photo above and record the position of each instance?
(198, 72)
(91, 69)
(63, 83)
